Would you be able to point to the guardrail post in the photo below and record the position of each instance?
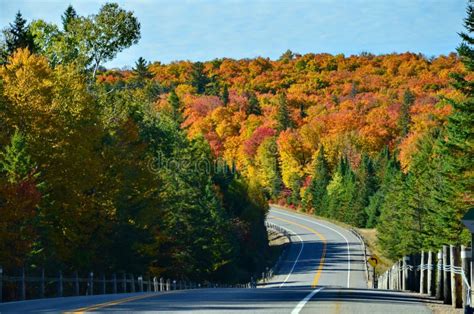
(168, 284)
(1, 284)
(392, 278)
(471, 280)
(431, 272)
(387, 279)
(124, 282)
(104, 284)
(114, 281)
(155, 284)
(132, 282)
(149, 284)
(76, 283)
(405, 277)
(465, 254)
(42, 284)
(414, 274)
(161, 284)
(455, 282)
(439, 276)
(60, 283)
(22, 285)
(140, 283)
(422, 272)
(446, 281)
(91, 285)
(174, 285)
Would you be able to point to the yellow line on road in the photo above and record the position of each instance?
(111, 303)
(323, 254)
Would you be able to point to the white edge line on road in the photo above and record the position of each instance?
(303, 302)
(299, 254)
(319, 224)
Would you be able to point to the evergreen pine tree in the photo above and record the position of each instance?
(456, 147)
(15, 161)
(254, 105)
(199, 79)
(392, 233)
(225, 95)
(366, 187)
(140, 71)
(319, 182)
(386, 167)
(405, 120)
(283, 115)
(173, 100)
(68, 15)
(18, 35)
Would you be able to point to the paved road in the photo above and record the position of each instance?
(323, 273)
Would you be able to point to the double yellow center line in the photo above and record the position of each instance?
(112, 303)
(134, 298)
(323, 254)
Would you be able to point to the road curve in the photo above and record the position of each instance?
(323, 273)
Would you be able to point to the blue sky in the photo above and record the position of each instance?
(207, 29)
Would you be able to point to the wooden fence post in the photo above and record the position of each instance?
(415, 273)
(132, 282)
(1, 284)
(60, 283)
(76, 283)
(422, 272)
(439, 276)
(124, 282)
(431, 272)
(389, 275)
(91, 285)
(405, 280)
(446, 277)
(114, 280)
(471, 279)
(465, 254)
(22, 285)
(104, 284)
(455, 282)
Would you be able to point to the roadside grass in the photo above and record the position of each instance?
(370, 238)
(277, 243)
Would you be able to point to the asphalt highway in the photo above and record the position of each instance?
(323, 272)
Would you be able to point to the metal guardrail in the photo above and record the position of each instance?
(272, 271)
(361, 239)
(24, 286)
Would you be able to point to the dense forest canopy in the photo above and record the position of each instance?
(170, 167)
(94, 178)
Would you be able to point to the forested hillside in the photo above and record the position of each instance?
(373, 141)
(171, 166)
(84, 184)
